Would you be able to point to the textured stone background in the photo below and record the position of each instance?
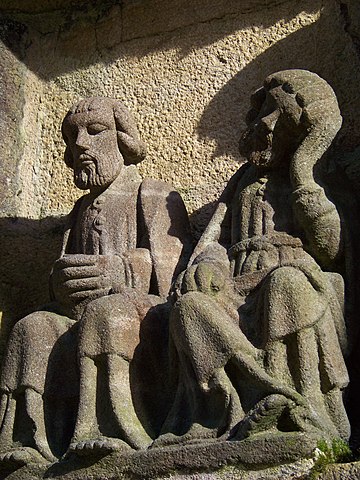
(185, 69)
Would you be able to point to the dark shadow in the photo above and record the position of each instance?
(180, 228)
(199, 218)
(61, 397)
(28, 250)
(108, 38)
(14, 35)
(71, 464)
(350, 163)
(149, 370)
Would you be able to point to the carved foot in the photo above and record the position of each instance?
(98, 446)
(264, 416)
(18, 457)
(196, 434)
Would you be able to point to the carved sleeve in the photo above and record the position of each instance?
(164, 231)
(320, 220)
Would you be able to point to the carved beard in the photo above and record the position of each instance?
(258, 151)
(263, 158)
(97, 174)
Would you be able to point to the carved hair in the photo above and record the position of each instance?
(130, 145)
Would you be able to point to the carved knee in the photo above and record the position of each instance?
(186, 310)
(30, 348)
(39, 328)
(30, 326)
(291, 302)
(109, 325)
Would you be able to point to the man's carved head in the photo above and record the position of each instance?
(289, 105)
(100, 136)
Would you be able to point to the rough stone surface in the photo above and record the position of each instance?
(185, 70)
(185, 75)
(232, 387)
(187, 86)
(300, 470)
(258, 331)
(151, 464)
(347, 471)
(11, 111)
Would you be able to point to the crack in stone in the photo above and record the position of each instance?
(82, 7)
(124, 39)
(246, 11)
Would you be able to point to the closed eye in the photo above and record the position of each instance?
(96, 128)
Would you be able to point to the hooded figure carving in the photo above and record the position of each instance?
(258, 328)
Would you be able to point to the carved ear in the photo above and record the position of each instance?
(132, 149)
(130, 145)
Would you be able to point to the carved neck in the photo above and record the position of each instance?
(127, 175)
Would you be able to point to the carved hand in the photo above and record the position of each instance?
(77, 277)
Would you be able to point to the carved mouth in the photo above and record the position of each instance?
(84, 160)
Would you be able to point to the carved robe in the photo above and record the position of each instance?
(269, 339)
(143, 222)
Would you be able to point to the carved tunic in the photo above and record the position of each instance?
(107, 224)
(130, 220)
(263, 232)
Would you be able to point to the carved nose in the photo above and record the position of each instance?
(268, 122)
(82, 140)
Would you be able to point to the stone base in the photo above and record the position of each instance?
(340, 471)
(211, 460)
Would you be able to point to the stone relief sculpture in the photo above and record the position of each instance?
(258, 331)
(253, 343)
(71, 374)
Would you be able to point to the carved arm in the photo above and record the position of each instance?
(315, 213)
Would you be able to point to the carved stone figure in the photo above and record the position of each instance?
(76, 375)
(258, 331)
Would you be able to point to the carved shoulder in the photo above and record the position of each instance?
(164, 230)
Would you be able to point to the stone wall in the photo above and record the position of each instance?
(185, 69)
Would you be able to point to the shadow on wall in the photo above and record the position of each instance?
(29, 248)
(223, 120)
(314, 54)
(83, 37)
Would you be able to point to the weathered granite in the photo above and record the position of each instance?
(103, 49)
(216, 53)
(236, 385)
(346, 471)
(225, 460)
(12, 78)
(258, 331)
(82, 374)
